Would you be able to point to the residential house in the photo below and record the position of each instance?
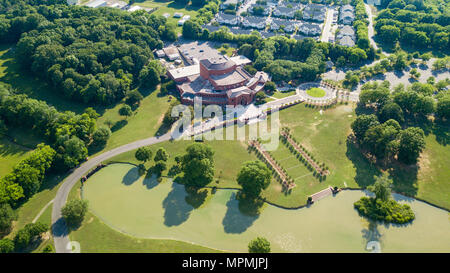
(346, 41)
(254, 22)
(314, 12)
(227, 19)
(288, 26)
(237, 31)
(211, 28)
(283, 12)
(345, 31)
(346, 15)
(310, 29)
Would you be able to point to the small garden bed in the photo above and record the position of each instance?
(316, 92)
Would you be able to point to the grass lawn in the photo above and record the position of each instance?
(168, 7)
(10, 154)
(226, 51)
(280, 95)
(316, 92)
(228, 158)
(145, 122)
(434, 173)
(96, 236)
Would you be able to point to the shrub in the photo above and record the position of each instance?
(259, 245)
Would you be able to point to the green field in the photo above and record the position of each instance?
(316, 92)
(280, 95)
(145, 122)
(10, 154)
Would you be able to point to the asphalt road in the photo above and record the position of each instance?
(59, 228)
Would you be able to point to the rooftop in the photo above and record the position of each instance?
(185, 71)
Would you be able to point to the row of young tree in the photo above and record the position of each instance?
(416, 24)
(91, 55)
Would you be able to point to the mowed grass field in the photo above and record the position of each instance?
(95, 236)
(145, 122)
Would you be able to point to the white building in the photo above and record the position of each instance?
(72, 2)
(97, 4)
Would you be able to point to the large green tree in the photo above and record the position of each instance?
(198, 164)
(381, 188)
(143, 154)
(74, 211)
(253, 177)
(412, 143)
(7, 215)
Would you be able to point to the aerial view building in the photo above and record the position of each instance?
(220, 80)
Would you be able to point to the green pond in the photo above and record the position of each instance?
(147, 209)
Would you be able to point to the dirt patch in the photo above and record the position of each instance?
(160, 120)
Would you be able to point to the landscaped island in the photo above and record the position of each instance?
(382, 207)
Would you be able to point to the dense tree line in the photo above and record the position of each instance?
(67, 132)
(385, 134)
(91, 55)
(415, 23)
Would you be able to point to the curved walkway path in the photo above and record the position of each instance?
(59, 228)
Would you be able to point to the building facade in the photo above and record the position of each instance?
(221, 81)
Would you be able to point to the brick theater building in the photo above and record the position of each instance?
(220, 80)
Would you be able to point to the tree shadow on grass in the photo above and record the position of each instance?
(236, 219)
(119, 125)
(442, 132)
(176, 209)
(195, 196)
(371, 233)
(131, 176)
(404, 178)
(150, 181)
(365, 171)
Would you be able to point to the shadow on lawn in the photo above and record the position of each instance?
(176, 209)
(239, 216)
(131, 176)
(365, 171)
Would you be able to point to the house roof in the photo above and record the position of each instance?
(284, 22)
(240, 31)
(254, 19)
(346, 30)
(347, 41)
(347, 14)
(211, 28)
(226, 17)
(347, 8)
(285, 11)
